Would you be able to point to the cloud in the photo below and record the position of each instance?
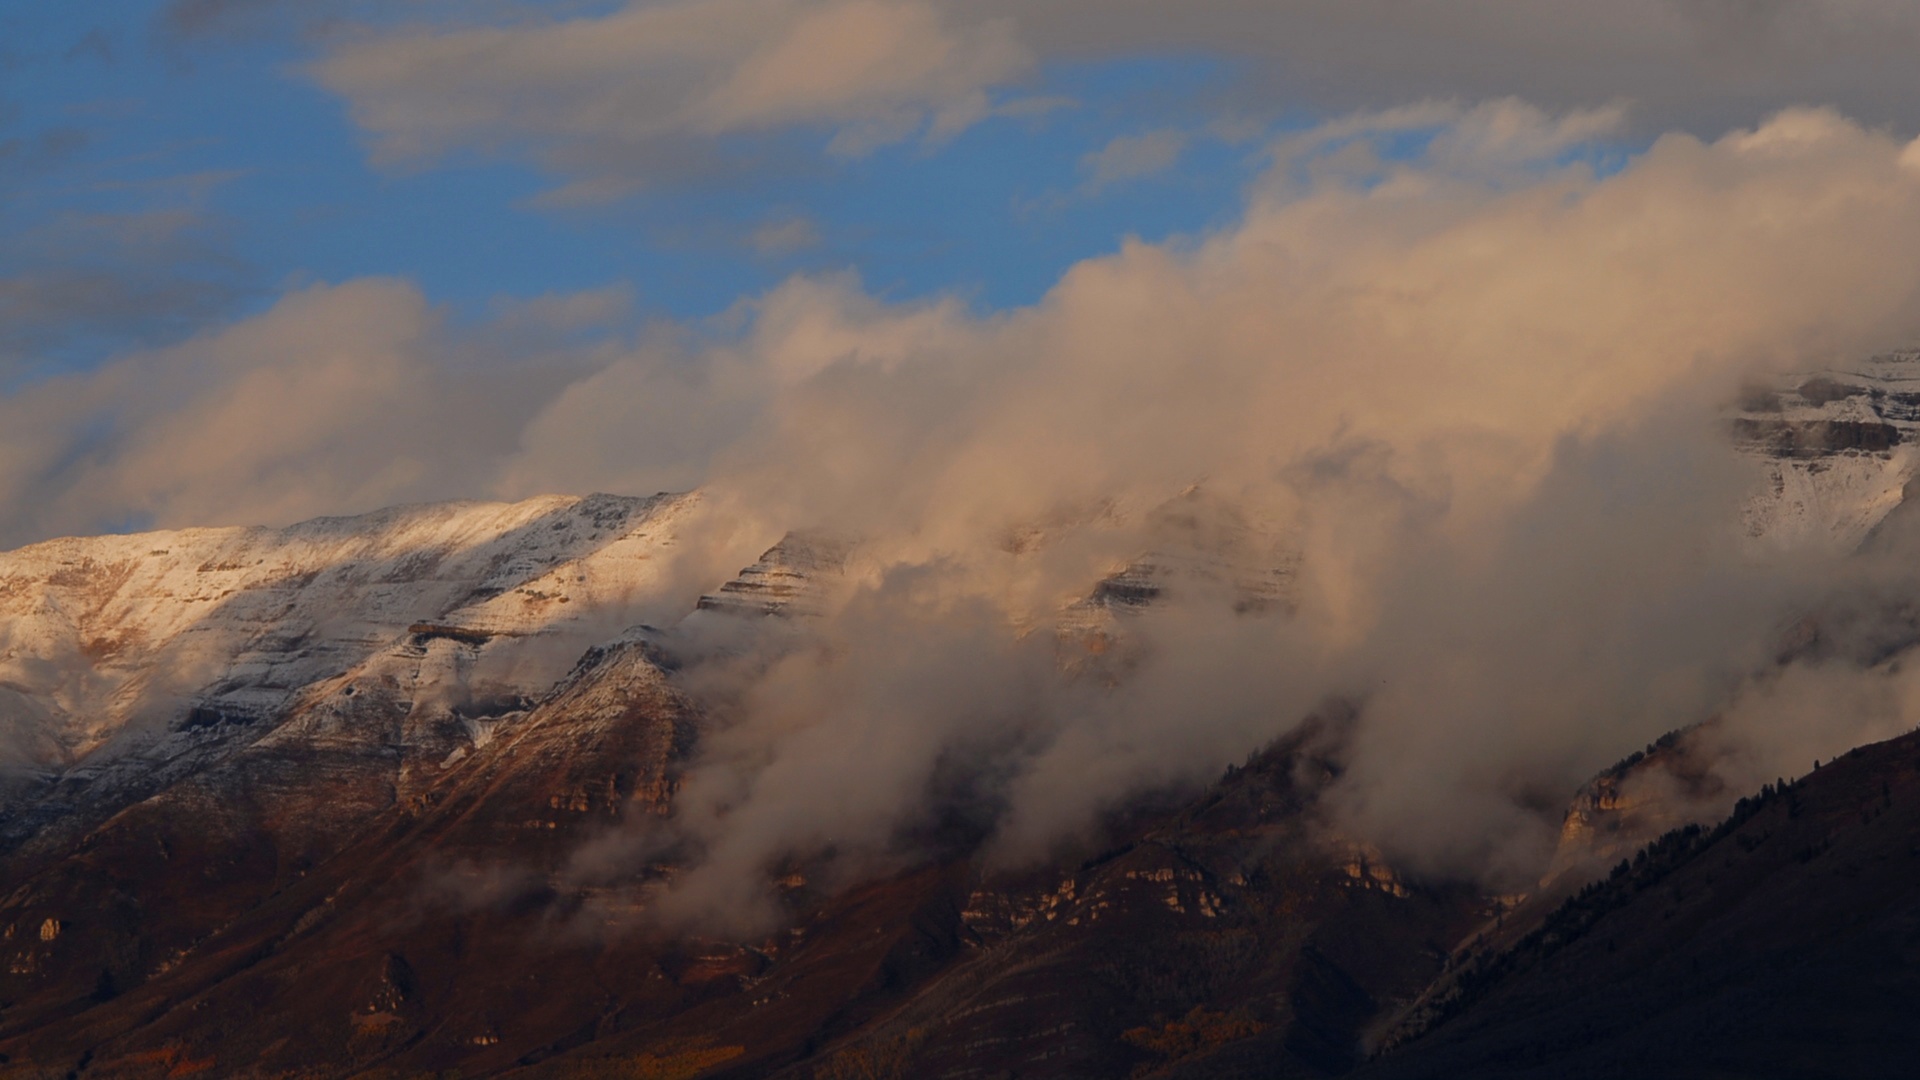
(46, 149)
(1496, 139)
(654, 92)
(574, 312)
(338, 398)
(1702, 65)
(96, 44)
(189, 18)
(1130, 157)
(1450, 385)
(787, 236)
(44, 309)
(231, 22)
(90, 265)
(1472, 389)
(615, 100)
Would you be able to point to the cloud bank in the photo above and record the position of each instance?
(1466, 392)
(1475, 393)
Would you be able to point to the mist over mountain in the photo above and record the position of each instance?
(895, 538)
(344, 769)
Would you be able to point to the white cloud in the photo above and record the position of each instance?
(1699, 64)
(1475, 387)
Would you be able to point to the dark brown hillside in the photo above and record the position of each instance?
(1785, 943)
(301, 912)
(441, 937)
(1230, 938)
(213, 933)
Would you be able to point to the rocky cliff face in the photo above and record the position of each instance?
(455, 928)
(1227, 936)
(284, 911)
(366, 836)
(1840, 447)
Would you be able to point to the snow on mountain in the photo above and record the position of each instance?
(104, 636)
(113, 635)
(217, 723)
(794, 577)
(1202, 547)
(1840, 446)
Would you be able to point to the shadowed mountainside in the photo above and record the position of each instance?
(315, 807)
(447, 934)
(1783, 943)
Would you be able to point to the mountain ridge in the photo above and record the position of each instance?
(408, 762)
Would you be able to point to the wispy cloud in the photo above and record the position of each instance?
(614, 101)
(611, 102)
(1130, 157)
(787, 236)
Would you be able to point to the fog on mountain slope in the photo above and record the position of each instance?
(1478, 397)
(1462, 409)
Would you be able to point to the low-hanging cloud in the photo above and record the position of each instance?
(1466, 394)
(338, 398)
(1475, 393)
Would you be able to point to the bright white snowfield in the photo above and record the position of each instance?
(112, 634)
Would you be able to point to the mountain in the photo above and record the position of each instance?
(1784, 942)
(383, 641)
(1840, 446)
(794, 577)
(381, 796)
(1221, 930)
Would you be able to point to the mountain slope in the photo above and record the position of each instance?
(326, 801)
(1839, 445)
(376, 644)
(107, 634)
(1785, 943)
(456, 930)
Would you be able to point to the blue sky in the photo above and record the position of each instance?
(213, 173)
